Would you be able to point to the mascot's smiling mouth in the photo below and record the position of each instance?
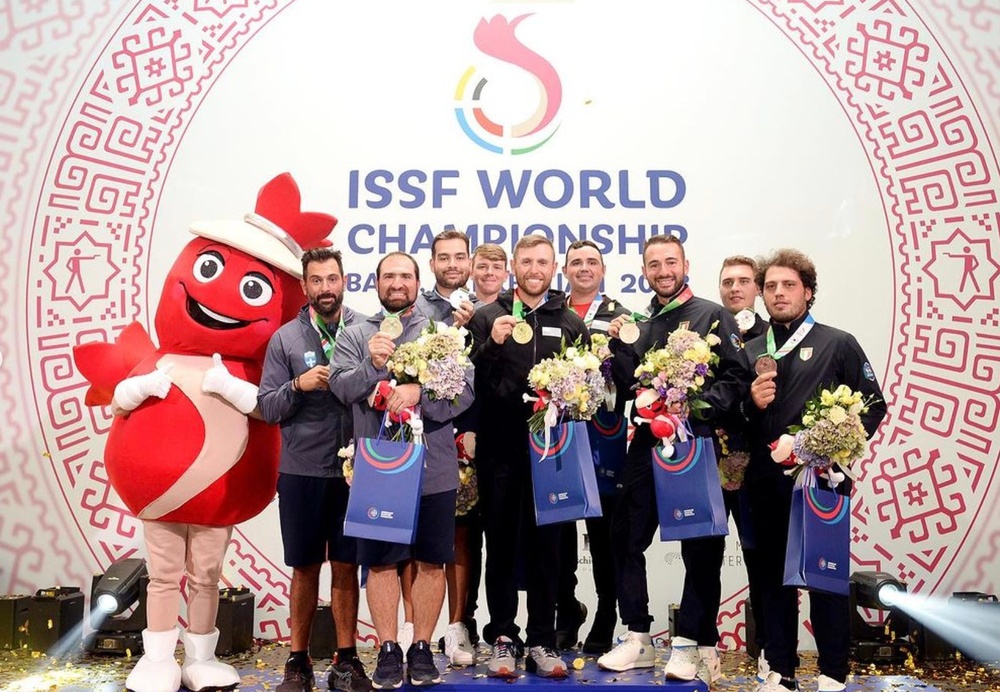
(210, 318)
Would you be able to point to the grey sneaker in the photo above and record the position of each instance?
(545, 662)
(503, 661)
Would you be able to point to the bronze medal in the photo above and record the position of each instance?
(523, 333)
(392, 326)
(765, 364)
(629, 333)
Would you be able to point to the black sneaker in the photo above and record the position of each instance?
(298, 676)
(602, 633)
(568, 624)
(420, 668)
(389, 667)
(349, 676)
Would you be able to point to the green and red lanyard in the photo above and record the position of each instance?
(326, 339)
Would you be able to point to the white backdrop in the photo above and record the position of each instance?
(861, 133)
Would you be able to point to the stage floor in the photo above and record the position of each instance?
(261, 671)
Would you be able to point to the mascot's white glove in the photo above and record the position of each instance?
(132, 391)
(239, 393)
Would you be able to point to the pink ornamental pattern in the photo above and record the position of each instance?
(932, 463)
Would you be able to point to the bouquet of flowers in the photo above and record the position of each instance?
(468, 487)
(671, 379)
(830, 438)
(347, 454)
(568, 385)
(436, 360)
(733, 460)
(601, 349)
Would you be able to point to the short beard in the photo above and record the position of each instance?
(326, 314)
(396, 308)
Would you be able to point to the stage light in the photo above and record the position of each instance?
(876, 589)
(118, 588)
(118, 608)
(887, 642)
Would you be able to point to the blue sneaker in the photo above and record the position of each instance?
(388, 667)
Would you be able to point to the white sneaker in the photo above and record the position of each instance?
(457, 645)
(683, 661)
(635, 650)
(772, 683)
(405, 636)
(709, 667)
(828, 684)
(763, 667)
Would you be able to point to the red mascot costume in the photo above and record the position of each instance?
(185, 452)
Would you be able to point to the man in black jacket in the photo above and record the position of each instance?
(795, 358)
(738, 292)
(674, 306)
(509, 336)
(584, 269)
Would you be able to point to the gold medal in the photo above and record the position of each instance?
(765, 364)
(392, 326)
(629, 333)
(523, 333)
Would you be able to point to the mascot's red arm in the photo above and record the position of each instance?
(105, 365)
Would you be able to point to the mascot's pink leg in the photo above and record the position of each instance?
(206, 550)
(157, 669)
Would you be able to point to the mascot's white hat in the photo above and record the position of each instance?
(276, 231)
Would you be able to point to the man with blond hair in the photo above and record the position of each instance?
(509, 336)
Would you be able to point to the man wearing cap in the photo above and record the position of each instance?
(312, 492)
(359, 365)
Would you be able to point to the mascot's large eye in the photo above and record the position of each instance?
(255, 289)
(208, 266)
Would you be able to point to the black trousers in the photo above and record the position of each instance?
(599, 535)
(738, 506)
(633, 527)
(770, 494)
(510, 529)
(473, 522)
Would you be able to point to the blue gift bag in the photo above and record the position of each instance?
(385, 494)
(564, 483)
(688, 494)
(818, 554)
(608, 433)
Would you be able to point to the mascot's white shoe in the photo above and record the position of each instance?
(201, 669)
(157, 669)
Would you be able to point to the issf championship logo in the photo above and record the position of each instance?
(496, 38)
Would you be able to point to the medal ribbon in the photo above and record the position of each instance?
(518, 308)
(595, 305)
(684, 296)
(793, 341)
(328, 340)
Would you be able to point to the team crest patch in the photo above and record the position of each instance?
(806, 353)
(684, 325)
(736, 341)
(867, 370)
(310, 358)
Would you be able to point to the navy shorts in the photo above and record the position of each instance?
(311, 510)
(433, 544)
